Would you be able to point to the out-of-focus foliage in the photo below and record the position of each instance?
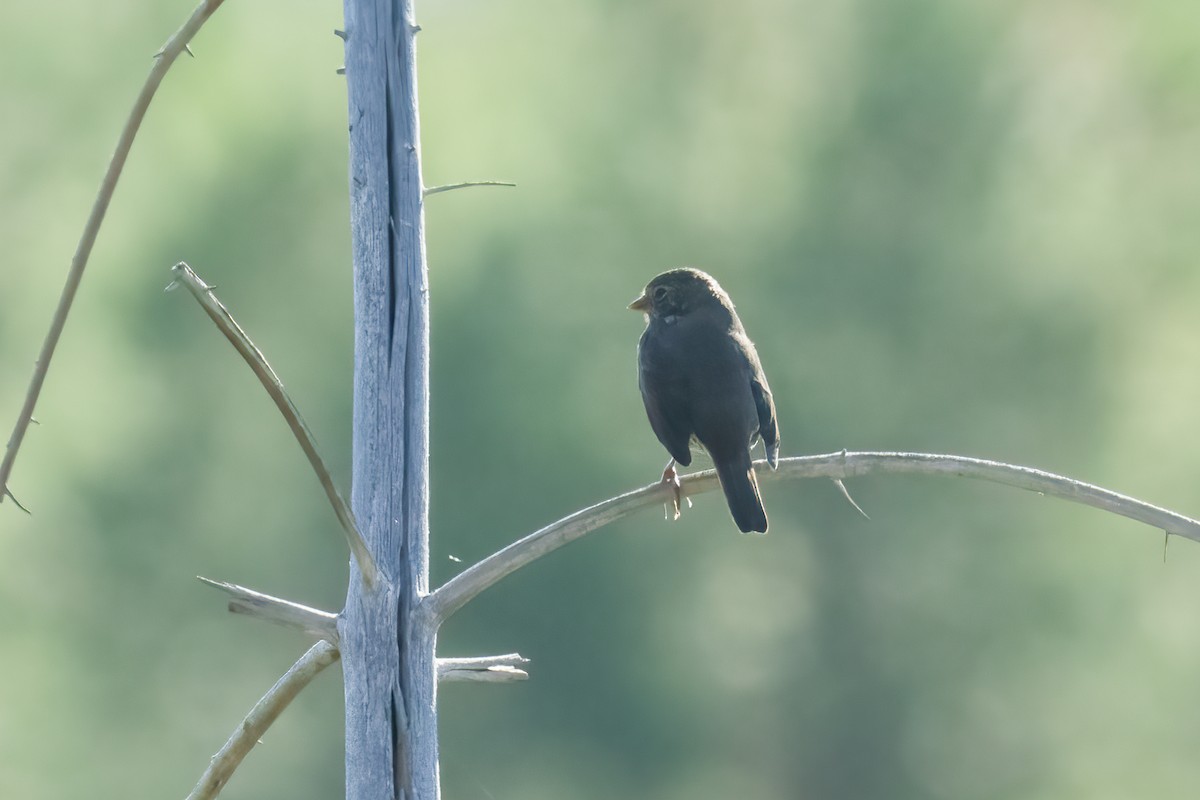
(957, 227)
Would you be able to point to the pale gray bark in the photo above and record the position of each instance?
(387, 644)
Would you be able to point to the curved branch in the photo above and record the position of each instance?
(462, 588)
(261, 717)
(163, 61)
(186, 276)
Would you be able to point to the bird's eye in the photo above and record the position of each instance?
(660, 293)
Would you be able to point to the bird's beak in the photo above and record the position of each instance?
(641, 304)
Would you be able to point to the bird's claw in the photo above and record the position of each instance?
(671, 478)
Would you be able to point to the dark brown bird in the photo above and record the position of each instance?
(701, 379)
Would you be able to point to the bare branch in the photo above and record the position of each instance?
(186, 276)
(313, 621)
(261, 717)
(163, 61)
(449, 187)
(484, 669)
(461, 589)
(323, 625)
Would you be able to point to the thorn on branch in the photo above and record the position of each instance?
(340, 71)
(8, 493)
(187, 48)
(341, 34)
(846, 494)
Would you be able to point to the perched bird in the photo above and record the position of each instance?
(700, 379)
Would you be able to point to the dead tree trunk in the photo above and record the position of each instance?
(387, 644)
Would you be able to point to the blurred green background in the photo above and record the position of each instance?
(950, 227)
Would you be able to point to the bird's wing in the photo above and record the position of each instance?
(768, 426)
(670, 430)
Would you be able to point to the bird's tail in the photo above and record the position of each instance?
(741, 492)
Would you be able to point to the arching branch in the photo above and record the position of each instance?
(186, 276)
(163, 61)
(461, 589)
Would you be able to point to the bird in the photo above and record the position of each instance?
(701, 381)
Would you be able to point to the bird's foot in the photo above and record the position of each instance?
(671, 478)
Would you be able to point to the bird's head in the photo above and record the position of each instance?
(678, 292)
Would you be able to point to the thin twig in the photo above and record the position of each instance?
(187, 277)
(462, 588)
(449, 187)
(313, 621)
(163, 61)
(264, 713)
